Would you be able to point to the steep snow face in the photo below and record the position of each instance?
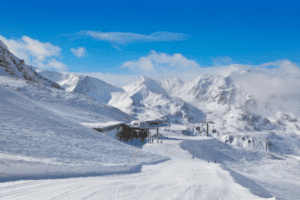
(146, 99)
(250, 109)
(209, 89)
(66, 80)
(235, 102)
(145, 85)
(89, 86)
(11, 66)
(96, 88)
(171, 85)
(75, 106)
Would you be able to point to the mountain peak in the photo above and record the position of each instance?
(87, 85)
(146, 83)
(11, 66)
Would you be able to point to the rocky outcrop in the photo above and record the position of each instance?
(12, 66)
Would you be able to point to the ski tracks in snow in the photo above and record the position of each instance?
(182, 177)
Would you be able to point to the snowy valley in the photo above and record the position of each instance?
(252, 152)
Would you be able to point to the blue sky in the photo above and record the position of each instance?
(142, 37)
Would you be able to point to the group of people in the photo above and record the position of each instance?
(150, 140)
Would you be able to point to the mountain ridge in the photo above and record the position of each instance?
(87, 85)
(12, 66)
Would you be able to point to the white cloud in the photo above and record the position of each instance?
(160, 63)
(34, 52)
(260, 81)
(79, 52)
(266, 83)
(56, 65)
(125, 38)
(143, 63)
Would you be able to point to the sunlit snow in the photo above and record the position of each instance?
(48, 148)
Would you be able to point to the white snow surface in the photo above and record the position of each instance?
(45, 134)
(41, 133)
(181, 177)
(93, 87)
(101, 125)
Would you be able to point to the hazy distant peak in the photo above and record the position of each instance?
(146, 80)
(172, 80)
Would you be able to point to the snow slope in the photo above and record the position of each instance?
(261, 172)
(181, 177)
(257, 152)
(41, 134)
(146, 99)
(89, 86)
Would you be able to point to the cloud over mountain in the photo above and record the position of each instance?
(36, 53)
(161, 63)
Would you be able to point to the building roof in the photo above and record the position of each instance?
(106, 126)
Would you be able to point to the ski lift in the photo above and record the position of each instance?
(214, 130)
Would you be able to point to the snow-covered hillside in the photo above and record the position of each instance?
(146, 99)
(245, 105)
(12, 66)
(87, 85)
(42, 134)
(41, 131)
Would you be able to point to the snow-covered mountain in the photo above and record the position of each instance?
(146, 99)
(42, 132)
(238, 101)
(234, 101)
(171, 85)
(12, 66)
(93, 87)
(252, 109)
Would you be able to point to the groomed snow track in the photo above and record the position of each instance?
(182, 177)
